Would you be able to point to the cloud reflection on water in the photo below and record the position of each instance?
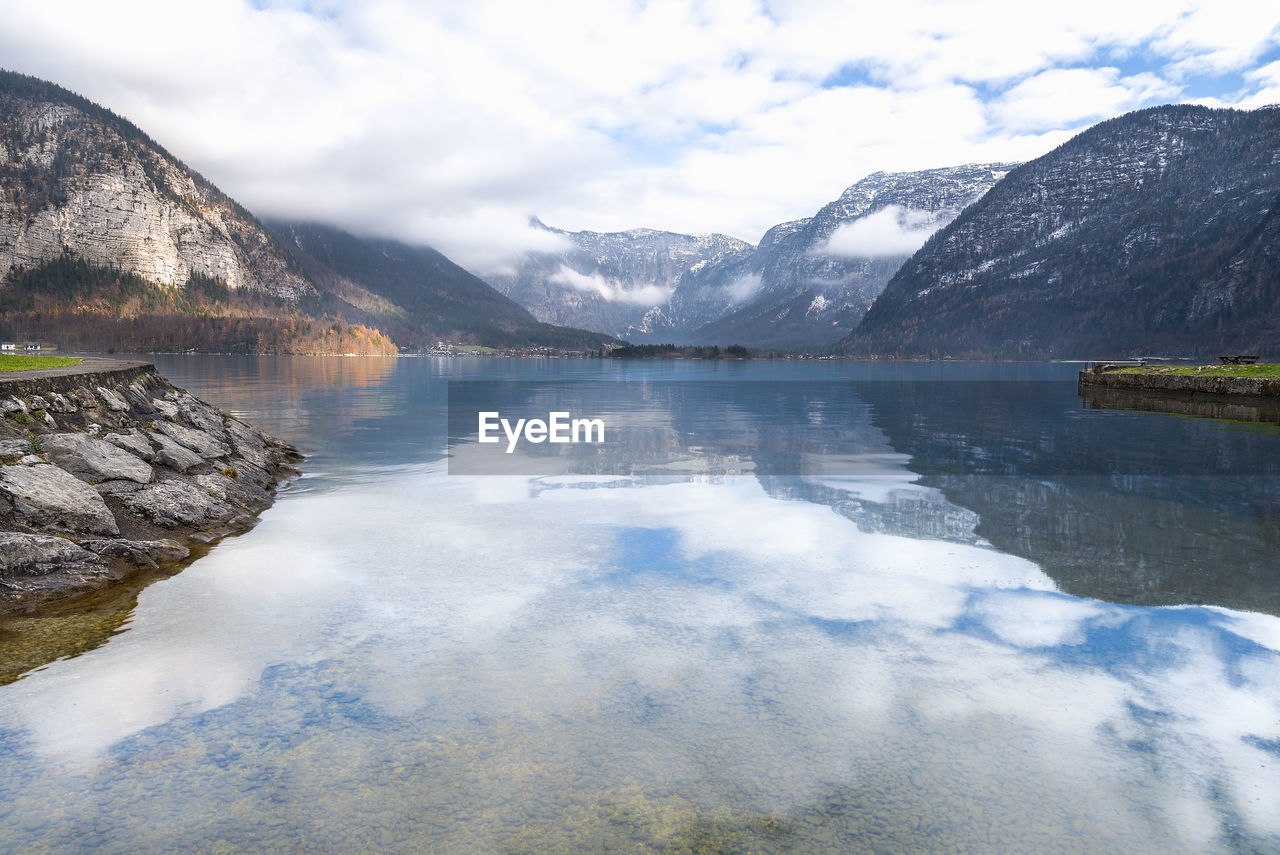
(726, 633)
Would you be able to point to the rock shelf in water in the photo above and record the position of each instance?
(1210, 384)
(107, 468)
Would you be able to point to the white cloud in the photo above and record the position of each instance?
(614, 292)
(1219, 37)
(743, 287)
(1043, 620)
(1267, 81)
(449, 123)
(1073, 95)
(893, 230)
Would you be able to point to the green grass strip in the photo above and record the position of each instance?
(1268, 371)
(31, 363)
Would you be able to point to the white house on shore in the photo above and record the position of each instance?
(7, 347)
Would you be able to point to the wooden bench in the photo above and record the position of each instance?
(1239, 359)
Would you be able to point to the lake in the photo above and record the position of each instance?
(785, 607)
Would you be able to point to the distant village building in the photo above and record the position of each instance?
(33, 346)
(7, 347)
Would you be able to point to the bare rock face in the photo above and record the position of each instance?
(148, 554)
(113, 401)
(201, 442)
(97, 185)
(93, 459)
(134, 442)
(173, 503)
(175, 456)
(127, 482)
(38, 554)
(14, 449)
(46, 496)
(249, 444)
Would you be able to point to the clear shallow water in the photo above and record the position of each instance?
(972, 634)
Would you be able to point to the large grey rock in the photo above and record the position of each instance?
(134, 442)
(114, 402)
(174, 503)
(93, 459)
(246, 471)
(49, 497)
(59, 404)
(174, 455)
(139, 398)
(12, 449)
(168, 409)
(38, 554)
(148, 554)
(201, 442)
(249, 444)
(196, 412)
(241, 490)
(13, 405)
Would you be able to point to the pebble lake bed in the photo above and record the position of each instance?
(858, 608)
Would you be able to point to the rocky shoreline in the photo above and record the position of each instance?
(108, 469)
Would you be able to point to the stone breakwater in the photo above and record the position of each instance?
(1184, 385)
(107, 468)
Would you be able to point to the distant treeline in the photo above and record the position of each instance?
(671, 351)
(78, 305)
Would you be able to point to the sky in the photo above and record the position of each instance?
(452, 123)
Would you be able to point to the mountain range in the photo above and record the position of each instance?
(1153, 233)
(802, 287)
(107, 241)
(623, 283)
(811, 280)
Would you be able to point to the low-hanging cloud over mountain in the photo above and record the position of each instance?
(614, 292)
(891, 231)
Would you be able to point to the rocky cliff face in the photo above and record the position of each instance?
(75, 176)
(1152, 232)
(810, 281)
(108, 469)
(620, 283)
